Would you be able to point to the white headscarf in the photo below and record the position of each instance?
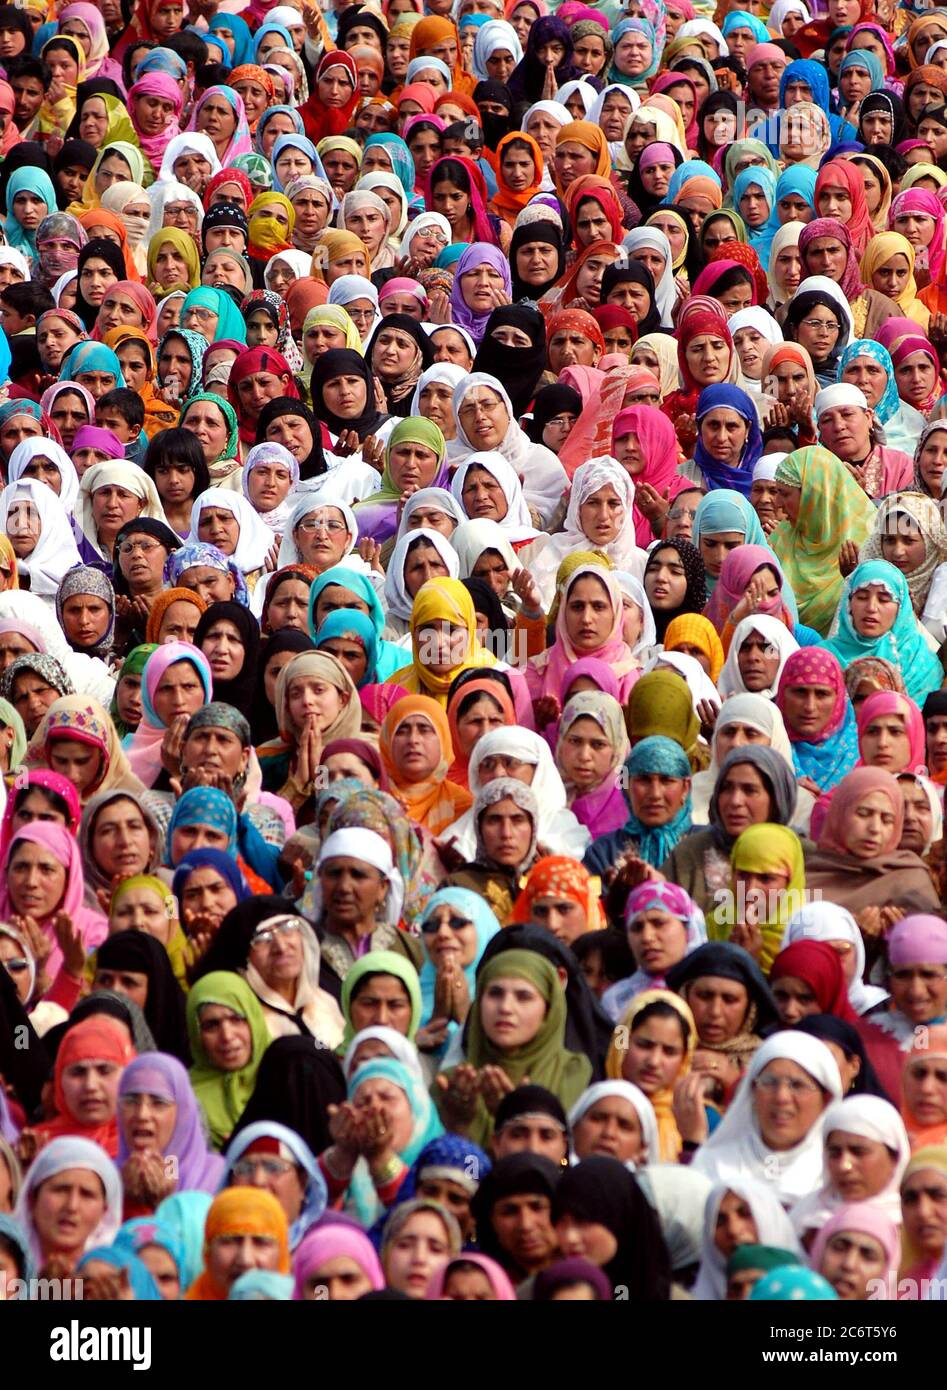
(379, 179)
(472, 538)
(781, 9)
(825, 921)
(255, 538)
(299, 262)
(773, 1227)
(736, 1149)
(586, 93)
(171, 191)
(397, 599)
(826, 286)
(635, 590)
(370, 849)
(314, 502)
(559, 113)
(761, 715)
(55, 551)
(62, 284)
(188, 142)
(690, 670)
(762, 322)
(558, 831)
(730, 681)
(115, 473)
(491, 37)
(440, 374)
(623, 1090)
(679, 1196)
(869, 1117)
(29, 449)
(269, 452)
(56, 1157)
(518, 524)
(665, 291)
(629, 93)
(693, 28)
(438, 498)
(350, 287)
(419, 224)
(9, 255)
(397, 1044)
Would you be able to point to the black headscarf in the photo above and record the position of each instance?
(73, 152)
(602, 1190)
(636, 274)
(695, 595)
(345, 362)
(729, 962)
(828, 1028)
(146, 526)
(800, 307)
(528, 78)
(529, 1100)
(238, 691)
(494, 127)
(637, 192)
(297, 1081)
(113, 1005)
(164, 1004)
(263, 715)
(315, 465)
(892, 106)
(92, 87)
(230, 948)
(485, 601)
(546, 232)
(551, 401)
(103, 250)
(712, 103)
(400, 404)
(356, 17)
(24, 1060)
(588, 1028)
(513, 1176)
(518, 368)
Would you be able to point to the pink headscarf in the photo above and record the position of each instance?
(325, 1243)
(851, 283)
(93, 928)
(922, 201)
(144, 751)
(658, 441)
(544, 674)
(586, 380)
(156, 84)
(890, 702)
(861, 781)
(674, 79)
(816, 666)
(736, 572)
(920, 939)
(865, 1218)
(39, 777)
(241, 141)
(503, 1290)
(144, 301)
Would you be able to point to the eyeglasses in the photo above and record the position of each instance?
(146, 547)
(793, 1084)
(267, 934)
(456, 924)
(312, 524)
(820, 326)
(272, 1167)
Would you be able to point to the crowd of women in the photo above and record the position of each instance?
(473, 614)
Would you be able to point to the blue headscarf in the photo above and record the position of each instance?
(742, 19)
(690, 169)
(473, 909)
(243, 51)
(258, 1285)
(451, 1153)
(136, 1235)
(90, 357)
(276, 111)
(163, 60)
(902, 645)
(230, 320)
(184, 1213)
(722, 475)
(296, 142)
(640, 26)
(27, 179)
(657, 754)
(760, 238)
(448, 258)
(389, 658)
(261, 34)
(798, 179)
(864, 58)
(815, 77)
(196, 346)
(890, 402)
(14, 1232)
(362, 1199)
(200, 555)
(402, 164)
(215, 44)
(316, 1196)
(793, 1284)
(142, 1284)
(205, 806)
(349, 622)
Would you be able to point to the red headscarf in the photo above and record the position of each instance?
(144, 301)
(226, 176)
(674, 79)
(746, 256)
(842, 173)
(577, 319)
(320, 120)
(101, 1039)
(258, 359)
(483, 230)
(601, 190)
(820, 967)
(567, 286)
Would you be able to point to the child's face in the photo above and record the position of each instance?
(593, 969)
(110, 419)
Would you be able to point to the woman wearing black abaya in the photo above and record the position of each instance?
(298, 1079)
(137, 953)
(513, 350)
(363, 415)
(229, 636)
(601, 1214)
(292, 424)
(399, 352)
(534, 273)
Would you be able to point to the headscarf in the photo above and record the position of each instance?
(723, 475)
(772, 1223)
(345, 362)
(223, 1095)
(144, 750)
(477, 254)
(55, 551)
(441, 600)
(102, 1039)
(56, 1157)
(902, 645)
(834, 753)
(362, 1200)
(669, 1145)
(240, 1211)
(547, 671)
(157, 1074)
(241, 140)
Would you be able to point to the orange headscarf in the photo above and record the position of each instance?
(505, 202)
(161, 605)
(557, 876)
(593, 138)
(434, 29)
(436, 802)
(931, 1042)
(101, 217)
(101, 1039)
(240, 1211)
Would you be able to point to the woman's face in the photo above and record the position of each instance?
(393, 354)
(655, 1054)
(869, 826)
(95, 278)
(873, 610)
(512, 1011)
(658, 940)
(142, 909)
(223, 647)
(719, 1007)
(67, 1208)
(735, 1225)
(602, 515)
(851, 1261)
(788, 1103)
(80, 763)
(218, 119)
(665, 580)
(584, 755)
(179, 691)
(916, 378)
(859, 1168)
(589, 616)
(611, 1128)
(708, 358)
(656, 799)
(418, 1251)
(724, 433)
(36, 880)
(207, 422)
(924, 1211)
(918, 831)
(885, 743)
(743, 799)
(322, 537)
(121, 842)
(147, 1121)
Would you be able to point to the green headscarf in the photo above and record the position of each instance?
(133, 665)
(231, 449)
(223, 1095)
(11, 720)
(735, 220)
(764, 1257)
(230, 322)
(414, 429)
(381, 963)
(544, 1059)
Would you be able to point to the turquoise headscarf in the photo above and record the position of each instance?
(290, 111)
(799, 180)
(185, 1213)
(362, 1200)
(296, 142)
(243, 42)
(890, 402)
(640, 26)
(230, 322)
(473, 909)
(742, 19)
(91, 357)
(261, 34)
(350, 623)
(27, 179)
(402, 164)
(389, 658)
(196, 346)
(657, 754)
(793, 1284)
(902, 645)
(726, 510)
(761, 238)
(690, 169)
(864, 58)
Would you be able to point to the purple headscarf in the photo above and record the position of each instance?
(158, 1074)
(477, 254)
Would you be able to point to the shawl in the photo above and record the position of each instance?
(832, 508)
(774, 631)
(477, 254)
(763, 849)
(83, 718)
(436, 802)
(770, 1219)
(99, 1038)
(157, 1074)
(223, 1095)
(545, 673)
(902, 645)
(669, 1137)
(255, 539)
(723, 475)
(842, 173)
(829, 757)
(820, 967)
(240, 141)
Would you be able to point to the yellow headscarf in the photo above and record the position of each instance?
(336, 316)
(177, 947)
(764, 849)
(331, 245)
(181, 242)
(266, 234)
(879, 250)
(55, 116)
(930, 1156)
(445, 601)
(923, 171)
(126, 146)
(241, 1211)
(694, 630)
(662, 1101)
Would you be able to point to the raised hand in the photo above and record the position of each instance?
(172, 743)
(461, 1091)
(848, 557)
(527, 591)
(373, 452)
(70, 943)
(655, 505)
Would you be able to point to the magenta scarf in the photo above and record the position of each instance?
(156, 84)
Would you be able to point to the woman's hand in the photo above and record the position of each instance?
(686, 429)
(381, 403)
(848, 557)
(432, 1036)
(653, 505)
(461, 1091)
(271, 562)
(495, 1084)
(310, 752)
(546, 710)
(527, 591)
(438, 309)
(751, 601)
(344, 1129)
(550, 86)
(373, 451)
(370, 552)
(707, 713)
(689, 1113)
(172, 744)
(375, 1138)
(70, 943)
(748, 934)
(347, 443)
(146, 1180)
